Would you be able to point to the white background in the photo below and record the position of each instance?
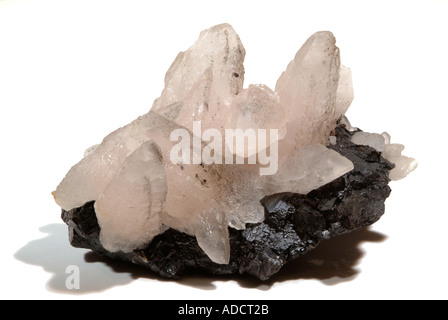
(71, 71)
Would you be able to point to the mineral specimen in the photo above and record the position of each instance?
(179, 187)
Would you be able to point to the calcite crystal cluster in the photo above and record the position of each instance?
(231, 179)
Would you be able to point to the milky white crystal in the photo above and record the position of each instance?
(344, 121)
(257, 107)
(308, 91)
(344, 94)
(314, 166)
(333, 140)
(205, 79)
(403, 165)
(391, 152)
(374, 140)
(127, 225)
(139, 191)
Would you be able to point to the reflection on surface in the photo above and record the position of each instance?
(332, 262)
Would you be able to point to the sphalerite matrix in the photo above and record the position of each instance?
(230, 179)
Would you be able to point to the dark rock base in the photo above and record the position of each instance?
(294, 223)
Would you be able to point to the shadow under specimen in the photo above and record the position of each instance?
(332, 262)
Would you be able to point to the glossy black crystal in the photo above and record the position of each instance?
(294, 224)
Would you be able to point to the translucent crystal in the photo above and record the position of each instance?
(129, 209)
(257, 107)
(386, 137)
(345, 94)
(403, 165)
(308, 90)
(347, 124)
(391, 152)
(140, 190)
(86, 180)
(213, 235)
(374, 140)
(313, 167)
(333, 140)
(203, 80)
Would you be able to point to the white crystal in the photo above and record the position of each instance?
(129, 209)
(386, 137)
(313, 167)
(213, 235)
(374, 140)
(203, 80)
(403, 164)
(308, 92)
(345, 94)
(139, 191)
(86, 180)
(392, 152)
(403, 167)
(257, 107)
(333, 140)
(347, 124)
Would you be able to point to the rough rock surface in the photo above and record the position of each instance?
(294, 223)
